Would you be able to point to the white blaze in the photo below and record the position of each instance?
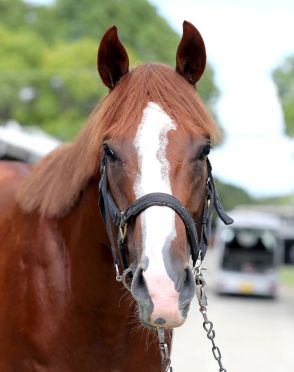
(158, 223)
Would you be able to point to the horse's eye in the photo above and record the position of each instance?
(108, 152)
(204, 151)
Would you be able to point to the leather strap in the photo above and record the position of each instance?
(105, 210)
(111, 214)
(227, 220)
(165, 200)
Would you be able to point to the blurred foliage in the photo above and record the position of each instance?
(48, 74)
(277, 200)
(287, 276)
(284, 78)
(232, 196)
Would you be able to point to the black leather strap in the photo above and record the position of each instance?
(105, 210)
(111, 213)
(216, 201)
(165, 200)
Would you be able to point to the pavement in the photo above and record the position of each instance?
(253, 334)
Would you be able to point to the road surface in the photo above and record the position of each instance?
(254, 335)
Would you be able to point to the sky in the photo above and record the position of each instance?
(245, 41)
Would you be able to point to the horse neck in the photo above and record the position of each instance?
(90, 261)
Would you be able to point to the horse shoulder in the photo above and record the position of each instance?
(13, 169)
(11, 176)
(33, 276)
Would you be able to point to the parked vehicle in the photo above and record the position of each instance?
(249, 253)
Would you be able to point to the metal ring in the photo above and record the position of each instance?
(124, 279)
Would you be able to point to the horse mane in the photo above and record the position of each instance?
(57, 180)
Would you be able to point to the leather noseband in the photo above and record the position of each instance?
(111, 214)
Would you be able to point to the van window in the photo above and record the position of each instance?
(249, 250)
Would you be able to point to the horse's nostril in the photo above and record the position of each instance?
(140, 293)
(159, 321)
(140, 278)
(139, 288)
(138, 283)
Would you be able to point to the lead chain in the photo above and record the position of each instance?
(207, 324)
(164, 352)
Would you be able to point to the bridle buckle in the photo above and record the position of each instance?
(123, 227)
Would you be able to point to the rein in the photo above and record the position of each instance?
(198, 245)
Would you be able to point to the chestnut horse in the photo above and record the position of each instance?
(61, 309)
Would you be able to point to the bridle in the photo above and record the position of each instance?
(120, 219)
(198, 246)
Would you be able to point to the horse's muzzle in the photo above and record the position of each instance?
(160, 303)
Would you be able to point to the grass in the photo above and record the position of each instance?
(287, 276)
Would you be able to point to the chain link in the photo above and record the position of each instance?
(207, 324)
(164, 352)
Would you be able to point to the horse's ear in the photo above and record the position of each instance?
(191, 54)
(112, 58)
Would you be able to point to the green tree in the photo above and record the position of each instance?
(19, 72)
(48, 71)
(232, 196)
(141, 28)
(139, 25)
(14, 13)
(284, 78)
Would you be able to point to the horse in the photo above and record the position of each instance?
(61, 307)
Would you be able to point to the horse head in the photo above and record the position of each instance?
(157, 142)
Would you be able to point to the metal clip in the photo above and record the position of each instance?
(118, 276)
(200, 284)
(123, 227)
(198, 267)
(207, 324)
(200, 293)
(161, 335)
(164, 352)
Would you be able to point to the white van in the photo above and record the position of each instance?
(248, 254)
